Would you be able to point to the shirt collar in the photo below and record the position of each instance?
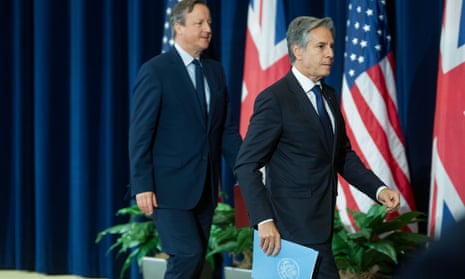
(186, 57)
(306, 83)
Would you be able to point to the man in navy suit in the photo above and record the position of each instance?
(180, 126)
(298, 133)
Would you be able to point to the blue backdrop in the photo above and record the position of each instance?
(66, 72)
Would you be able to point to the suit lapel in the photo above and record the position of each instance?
(188, 94)
(307, 108)
(215, 86)
(330, 97)
(211, 85)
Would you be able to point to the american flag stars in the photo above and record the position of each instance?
(366, 31)
(167, 41)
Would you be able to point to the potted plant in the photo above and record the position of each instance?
(138, 240)
(372, 251)
(375, 248)
(237, 243)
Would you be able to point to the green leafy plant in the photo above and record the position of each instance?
(377, 244)
(137, 238)
(225, 237)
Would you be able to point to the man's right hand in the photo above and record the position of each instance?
(146, 201)
(270, 239)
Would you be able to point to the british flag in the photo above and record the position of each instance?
(369, 106)
(447, 196)
(265, 62)
(266, 58)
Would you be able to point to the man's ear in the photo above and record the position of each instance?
(297, 52)
(178, 28)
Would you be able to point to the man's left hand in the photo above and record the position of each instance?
(389, 198)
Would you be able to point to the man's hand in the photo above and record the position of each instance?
(146, 201)
(389, 198)
(270, 239)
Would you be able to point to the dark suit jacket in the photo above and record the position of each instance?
(301, 171)
(170, 144)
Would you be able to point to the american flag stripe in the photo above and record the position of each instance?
(376, 150)
(377, 162)
(346, 199)
(370, 108)
(350, 197)
(388, 141)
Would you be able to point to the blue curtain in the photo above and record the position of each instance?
(66, 73)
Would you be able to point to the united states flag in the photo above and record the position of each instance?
(167, 41)
(370, 108)
(447, 196)
(266, 57)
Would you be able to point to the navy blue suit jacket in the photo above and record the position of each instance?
(170, 143)
(285, 135)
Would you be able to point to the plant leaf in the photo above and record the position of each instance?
(401, 221)
(385, 247)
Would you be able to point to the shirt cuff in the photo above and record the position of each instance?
(264, 221)
(379, 190)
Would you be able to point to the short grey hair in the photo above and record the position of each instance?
(299, 29)
(178, 14)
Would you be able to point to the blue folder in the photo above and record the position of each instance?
(294, 261)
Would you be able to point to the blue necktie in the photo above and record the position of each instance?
(200, 86)
(324, 117)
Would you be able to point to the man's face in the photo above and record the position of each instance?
(316, 59)
(195, 35)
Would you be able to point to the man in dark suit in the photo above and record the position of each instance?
(299, 136)
(443, 257)
(180, 126)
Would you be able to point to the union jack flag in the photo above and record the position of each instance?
(447, 196)
(167, 41)
(266, 57)
(266, 61)
(369, 105)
